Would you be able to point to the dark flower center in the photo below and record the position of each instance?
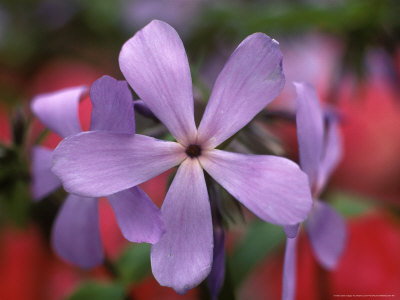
(193, 151)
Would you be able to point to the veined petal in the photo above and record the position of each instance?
(112, 106)
(310, 130)
(100, 163)
(155, 64)
(76, 232)
(183, 257)
(251, 79)
(273, 188)
(137, 216)
(327, 232)
(59, 110)
(332, 155)
(289, 270)
(43, 179)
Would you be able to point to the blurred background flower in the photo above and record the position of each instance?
(349, 50)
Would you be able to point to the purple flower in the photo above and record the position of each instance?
(320, 150)
(179, 13)
(76, 232)
(217, 274)
(155, 64)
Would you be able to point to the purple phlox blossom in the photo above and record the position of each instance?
(320, 150)
(76, 232)
(179, 13)
(155, 64)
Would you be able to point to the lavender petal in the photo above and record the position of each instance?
(137, 216)
(59, 110)
(76, 232)
(100, 163)
(310, 130)
(250, 80)
(43, 179)
(183, 257)
(289, 270)
(112, 106)
(155, 64)
(327, 232)
(273, 188)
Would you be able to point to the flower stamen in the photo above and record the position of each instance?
(193, 151)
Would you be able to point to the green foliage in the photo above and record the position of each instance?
(98, 291)
(261, 239)
(15, 200)
(134, 263)
(349, 204)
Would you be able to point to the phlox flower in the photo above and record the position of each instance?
(320, 150)
(155, 64)
(76, 232)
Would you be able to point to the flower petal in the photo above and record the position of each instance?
(155, 64)
(76, 232)
(100, 163)
(273, 188)
(59, 110)
(217, 274)
(251, 79)
(327, 232)
(183, 256)
(291, 231)
(137, 216)
(112, 106)
(332, 155)
(43, 179)
(310, 130)
(289, 270)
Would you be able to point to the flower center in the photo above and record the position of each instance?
(193, 151)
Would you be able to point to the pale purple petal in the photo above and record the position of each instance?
(251, 79)
(43, 179)
(327, 232)
(289, 270)
(100, 163)
(332, 155)
(183, 257)
(273, 188)
(76, 232)
(59, 110)
(137, 216)
(112, 106)
(155, 64)
(291, 231)
(217, 274)
(310, 130)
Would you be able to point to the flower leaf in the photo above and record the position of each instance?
(98, 291)
(134, 263)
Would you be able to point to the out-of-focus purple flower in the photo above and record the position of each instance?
(178, 13)
(320, 150)
(54, 14)
(217, 274)
(155, 64)
(76, 232)
(309, 58)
